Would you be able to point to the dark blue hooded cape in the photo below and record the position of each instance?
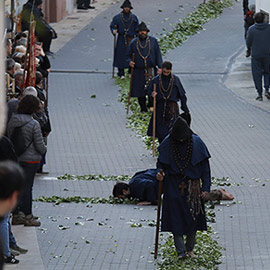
(120, 56)
(153, 61)
(176, 216)
(144, 185)
(178, 93)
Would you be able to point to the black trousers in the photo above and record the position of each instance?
(46, 39)
(25, 200)
(261, 70)
(83, 3)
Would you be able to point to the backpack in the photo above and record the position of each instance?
(18, 140)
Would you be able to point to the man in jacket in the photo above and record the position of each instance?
(11, 183)
(44, 31)
(258, 40)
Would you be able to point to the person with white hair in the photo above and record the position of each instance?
(21, 49)
(13, 103)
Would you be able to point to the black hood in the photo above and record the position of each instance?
(142, 27)
(127, 4)
(180, 130)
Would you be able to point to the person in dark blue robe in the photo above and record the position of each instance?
(169, 90)
(143, 186)
(183, 157)
(147, 62)
(125, 24)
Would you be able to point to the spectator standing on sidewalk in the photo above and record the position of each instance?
(9, 244)
(44, 32)
(258, 40)
(11, 183)
(248, 20)
(34, 148)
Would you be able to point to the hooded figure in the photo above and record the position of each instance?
(180, 130)
(124, 25)
(169, 91)
(147, 61)
(183, 157)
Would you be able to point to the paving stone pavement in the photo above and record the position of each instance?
(235, 132)
(89, 136)
(113, 243)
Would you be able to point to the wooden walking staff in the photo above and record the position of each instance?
(114, 49)
(47, 91)
(158, 215)
(130, 83)
(154, 118)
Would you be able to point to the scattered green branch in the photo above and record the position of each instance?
(192, 24)
(137, 121)
(224, 181)
(78, 199)
(94, 177)
(208, 254)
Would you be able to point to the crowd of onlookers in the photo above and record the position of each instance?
(25, 138)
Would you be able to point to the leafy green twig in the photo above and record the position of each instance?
(94, 177)
(208, 254)
(192, 24)
(224, 181)
(78, 199)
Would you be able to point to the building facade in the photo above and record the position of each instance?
(54, 10)
(264, 6)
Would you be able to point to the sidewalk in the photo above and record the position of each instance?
(66, 29)
(239, 80)
(70, 26)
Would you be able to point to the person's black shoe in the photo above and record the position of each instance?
(247, 53)
(19, 249)
(259, 98)
(267, 95)
(11, 259)
(91, 7)
(83, 8)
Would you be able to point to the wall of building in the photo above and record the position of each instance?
(263, 5)
(54, 10)
(2, 69)
(70, 4)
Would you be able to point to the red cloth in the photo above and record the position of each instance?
(31, 68)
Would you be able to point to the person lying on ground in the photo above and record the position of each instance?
(144, 186)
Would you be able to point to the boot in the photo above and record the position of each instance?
(18, 219)
(18, 249)
(31, 221)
